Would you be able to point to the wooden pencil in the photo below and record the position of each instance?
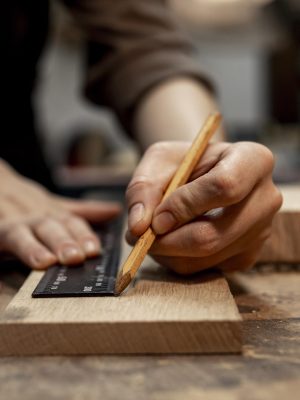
(189, 162)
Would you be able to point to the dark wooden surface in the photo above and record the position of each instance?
(268, 369)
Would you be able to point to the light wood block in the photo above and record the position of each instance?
(284, 243)
(160, 314)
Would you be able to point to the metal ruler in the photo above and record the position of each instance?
(96, 277)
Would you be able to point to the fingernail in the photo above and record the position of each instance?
(91, 248)
(42, 260)
(136, 214)
(164, 222)
(71, 254)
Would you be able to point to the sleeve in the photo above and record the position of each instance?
(133, 45)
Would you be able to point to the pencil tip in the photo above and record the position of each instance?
(122, 283)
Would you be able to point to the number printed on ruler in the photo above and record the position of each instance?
(61, 277)
(96, 276)
(100, 269)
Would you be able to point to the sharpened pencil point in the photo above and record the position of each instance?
(122, 283)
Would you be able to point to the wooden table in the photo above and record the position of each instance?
(268, 369)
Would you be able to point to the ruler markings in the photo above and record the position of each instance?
(95, 277)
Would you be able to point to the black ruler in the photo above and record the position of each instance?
(96, 277)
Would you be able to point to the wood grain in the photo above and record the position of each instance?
(160, 314)
(269, 367)
(156, 316)
(284, 243)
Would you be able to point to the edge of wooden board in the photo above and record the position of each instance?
(283, 245)
(136, 338)
(25, 330)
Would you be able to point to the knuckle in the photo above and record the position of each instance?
(85, 235)
(255, 147)
(277, 200)
(158, 147)
(182, 269)
(205, 240)
(10, 233)
(182, 205)
(241, 262)
(43, 221)
(68, 219)
(227, 186)
(266, 234)
(137, 184)
(67, 241)
(267, 155)
(248, 260)
(33, 254)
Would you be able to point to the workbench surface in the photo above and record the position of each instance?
(268, 369)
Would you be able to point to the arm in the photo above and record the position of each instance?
(190, 239)
(141, 66)
(174, 110)
(133, 47)
(139, 60)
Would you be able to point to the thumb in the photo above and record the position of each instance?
(149, 182)
(178, 208)
(189, 202)
(92, 210)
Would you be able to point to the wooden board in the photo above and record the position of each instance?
(268, 369)
(158, 315)
(161, 313)
(283, 246)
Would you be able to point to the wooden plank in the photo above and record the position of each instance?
(160, 314)
(284, 243)
(269, 367)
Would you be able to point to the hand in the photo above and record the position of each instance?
(232, 181)
(41, 229)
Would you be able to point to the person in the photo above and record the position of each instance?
(140, 65)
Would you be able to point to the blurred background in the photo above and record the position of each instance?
(251, 49)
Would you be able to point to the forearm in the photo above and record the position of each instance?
(174, 110)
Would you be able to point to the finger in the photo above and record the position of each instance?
(21, 242)
(148, 183)
(56, 237)
(84, 236)
(207, 234)
(227, 183)
(93, 211)
(8, 209)
(190, 262)
(211, 233)
(242, 261)
(228, 260)
(152, 176)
